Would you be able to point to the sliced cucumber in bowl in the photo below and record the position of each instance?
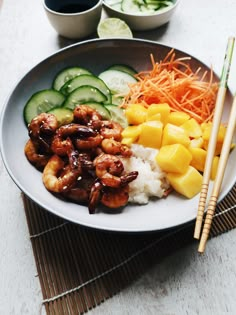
(124, 68)
(67, 74)
(42, 101)
(117, 81)
(84, 94)
(64, 115)
(86, 79)
(117, 114)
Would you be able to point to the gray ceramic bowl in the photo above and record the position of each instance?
(143, 22)
(95, 55)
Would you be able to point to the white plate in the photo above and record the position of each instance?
(95, 55)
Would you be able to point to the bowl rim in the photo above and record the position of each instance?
(157, 13)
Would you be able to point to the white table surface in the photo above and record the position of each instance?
(185, 282)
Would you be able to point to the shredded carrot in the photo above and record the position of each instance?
(174, 82)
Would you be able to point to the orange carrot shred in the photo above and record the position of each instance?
(173, 81)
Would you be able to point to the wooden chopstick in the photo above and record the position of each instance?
(219, 177)
(212, 141)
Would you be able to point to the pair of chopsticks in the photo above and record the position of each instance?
(210, 154)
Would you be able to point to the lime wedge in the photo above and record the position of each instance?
(113, 27)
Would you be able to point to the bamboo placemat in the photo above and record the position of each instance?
(79, 268)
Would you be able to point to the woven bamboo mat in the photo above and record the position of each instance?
(79, 268)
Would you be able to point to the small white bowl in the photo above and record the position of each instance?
(74, 25)
(143, 22)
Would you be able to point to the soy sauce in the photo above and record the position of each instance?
(73, 8)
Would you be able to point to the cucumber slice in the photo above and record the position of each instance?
(67, 74)
(124, 68)
(130, 6)
(42, 101)
(84, 94)
(64, 115)
(102, 110)
(117, 114)
(86, 79)
(117, 81)
(116, 6)
(116, 100)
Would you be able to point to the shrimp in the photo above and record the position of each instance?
(62, 141)
(115, 198)
(111, 129)
(95, 195)
(82, 160)
(108, 196)
(41, 128)
(52, 179)
(39, 160)
(80, 192)
(83, 114)
(114, 147)
(89, 142)
(109, 169)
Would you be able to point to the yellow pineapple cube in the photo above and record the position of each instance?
(198, 158)
(174, 158)
(127, 141)
(196, 143)
(136, 114)
(187, 184)
(151, 134)
(193, 128)
(174, 134)
(156, 116)
(178, 118)
(162, 109)
(131, 132)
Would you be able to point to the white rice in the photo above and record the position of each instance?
(151, 180)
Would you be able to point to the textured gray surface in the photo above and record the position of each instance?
(184, 283)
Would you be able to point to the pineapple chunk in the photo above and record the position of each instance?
(193, 128)
(151, 134)
(162, 109)
(127, 141)
(156, 116)
(187, 184)
(131, 132)
(196, 143)
(174, 134)
(198, 158)
(136, 114)
(178, 118)
(174, 158)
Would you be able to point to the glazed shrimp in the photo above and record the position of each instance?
(62, 140)
(111, 129)
(31, 150)
(83, 114)
(115, 198)
(108, 196)
(89, 142)
(95, 196)
(109, 169)
(114, 147)
(41, 126)
(56, 183)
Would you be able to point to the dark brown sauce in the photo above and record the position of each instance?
(73, 8)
